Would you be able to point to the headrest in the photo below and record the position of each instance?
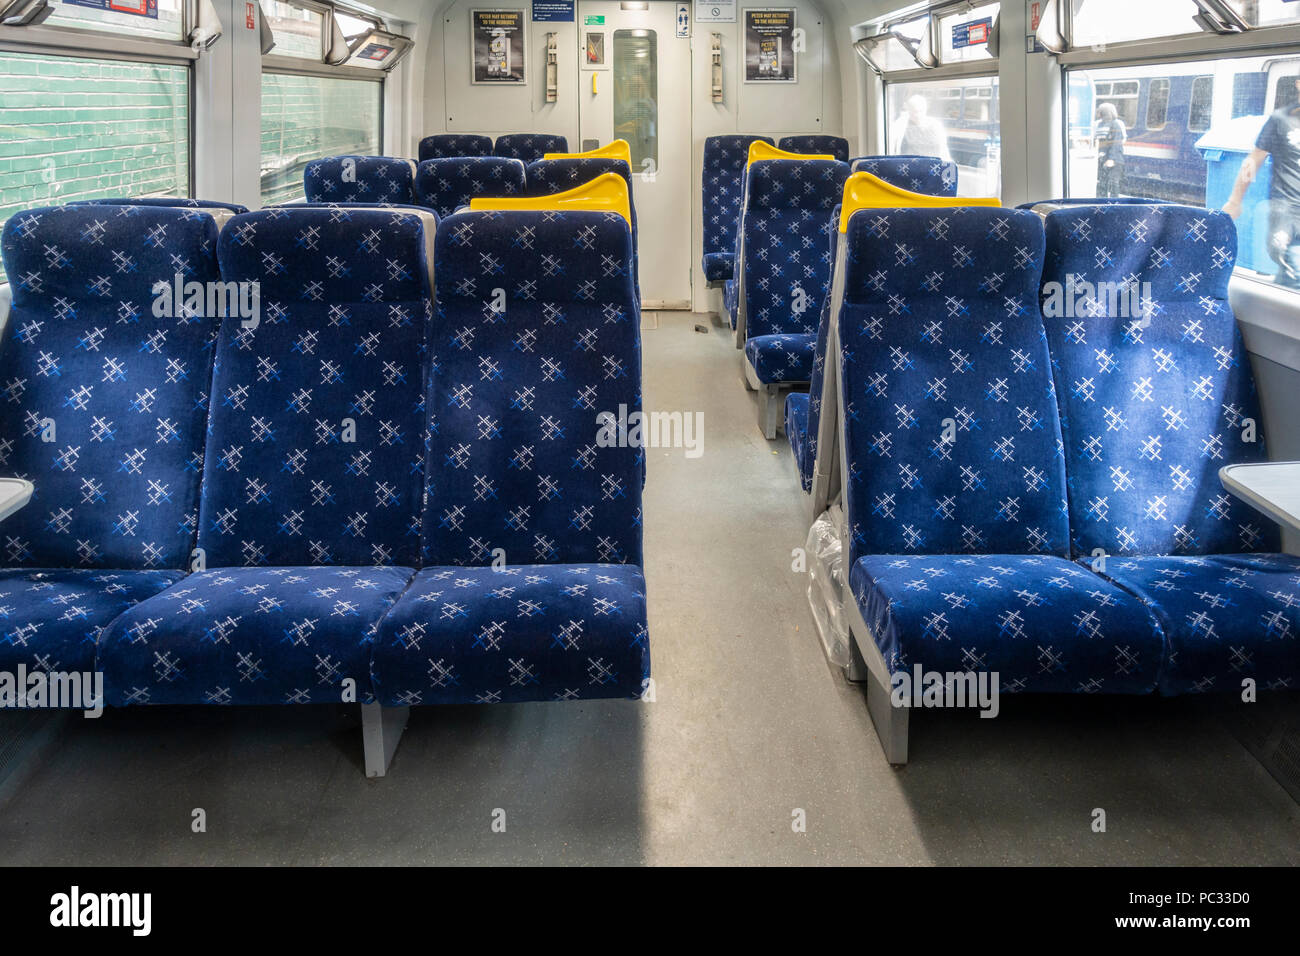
(762, 149)
(605, 193)
(865, 191)
(804, 183)
(618, 149)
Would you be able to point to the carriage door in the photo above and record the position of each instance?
(635, 84)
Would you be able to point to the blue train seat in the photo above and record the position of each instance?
(529, 147)
(836, 146)
(453, 145)
(445, 185)
(919, 174)
(723, 190)
(347, 179)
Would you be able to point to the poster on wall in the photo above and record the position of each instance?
(497, 46)
(769, 46)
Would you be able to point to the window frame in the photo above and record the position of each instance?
(933, 14)
(78, 43)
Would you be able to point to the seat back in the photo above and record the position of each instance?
(1155, 386)
(317, 434)
(837, 146)
(949, 419)
(376, 179)
(549, 176)
(529, 147)
(445, 185)
(817, 382)
(919, 174)
(723, 189)
(539, 342)
(784, 270)
(181, 203)
(453, 145)
(105, 378)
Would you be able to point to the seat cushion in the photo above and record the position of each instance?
(529, 632)
(51, 619)
(1042, 623)
(717, 266)
(796, 429)
(250, 636)
(782, 358)
(1225, 617)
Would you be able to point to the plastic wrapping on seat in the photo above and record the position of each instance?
(826, 584)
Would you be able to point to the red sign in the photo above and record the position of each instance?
(1035, 15)
(979, 33)
(250, 16)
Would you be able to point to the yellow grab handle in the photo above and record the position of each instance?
(618, 149)
(865, 191)
(759, 149)
(606, 193)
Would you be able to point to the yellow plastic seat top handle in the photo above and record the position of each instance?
(606, 193)
(761, 150)
(618, 149)
(865, 191)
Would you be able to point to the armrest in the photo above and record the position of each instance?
(1270, 487)
(14, 493)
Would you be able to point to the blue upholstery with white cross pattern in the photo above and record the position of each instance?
(312, 489)
(452, 145)
(371, 179)
(546, 177)
(1155, 387)
(836, 146)
(919, 174)
(536, 362)
(529, 147)
(785, 263)
(1157, 394)
(956, 481)
(104, 385)
(180, 203)
(445, 185)
(722, 188)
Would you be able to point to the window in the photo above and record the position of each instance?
(1097, 23)
(1123, 95)
(297, 30)
(307, 117)
(130, 17)
(965, 34)
(76, 128)
(1213, 116)
(1198, 119)
(1157, 104)
(955, 119)
(636, 94)
(958, 32)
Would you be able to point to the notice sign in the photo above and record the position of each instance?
(769, 46)
(136, 8)
(971, 33)
(497, 46)
(553, 11)
(718, 11)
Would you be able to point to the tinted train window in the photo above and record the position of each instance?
(636, 93)
(77, 128)
(1200, 164)
(307, 117)
(954, 119)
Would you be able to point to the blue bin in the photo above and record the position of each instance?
(1224, 148)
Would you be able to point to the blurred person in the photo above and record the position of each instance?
(1110, 137)
(1279, 139)
(922, 134)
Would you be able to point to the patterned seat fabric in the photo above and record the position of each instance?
(522, 474)
(953, 446)
(105, 399)
(51, 620)
(445, 185)
(1153, 380)
(316, 446)
(723, 190)
(105, 396)
(730, 300)
(549, 176)
(785, 265)
(1157, 394)
(919, 174)
(452, 145)
(836, 146)
(803, 412)
(368, 179)
(529, 147)
(164, 201)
